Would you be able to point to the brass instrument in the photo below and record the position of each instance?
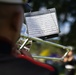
(46, 42)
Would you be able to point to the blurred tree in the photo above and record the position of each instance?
(65, 9)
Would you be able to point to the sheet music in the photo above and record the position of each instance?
(42, 25)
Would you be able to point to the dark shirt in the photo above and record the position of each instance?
(70, 63)
(10, 65)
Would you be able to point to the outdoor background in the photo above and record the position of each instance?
(66, 15)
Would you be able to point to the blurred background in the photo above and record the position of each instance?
(66, 15)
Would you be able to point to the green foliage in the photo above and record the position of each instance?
(65, 7)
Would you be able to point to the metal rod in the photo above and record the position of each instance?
(23, 44)
(49, 58)
(47, 42)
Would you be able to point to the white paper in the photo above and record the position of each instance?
(42, 25)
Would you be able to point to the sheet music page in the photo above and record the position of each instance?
(42, 25)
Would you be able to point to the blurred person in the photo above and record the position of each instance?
(69, 64)
(11, 19)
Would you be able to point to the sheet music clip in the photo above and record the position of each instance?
(28, 7)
